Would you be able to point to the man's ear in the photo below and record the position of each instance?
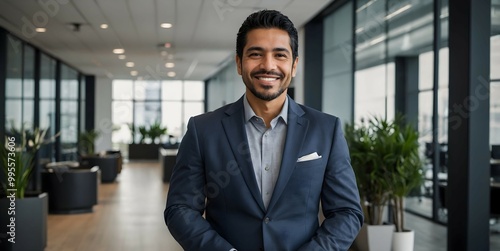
(238, 64)
(294, 66)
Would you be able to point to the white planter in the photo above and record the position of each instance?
(403, 241)
(374, 238)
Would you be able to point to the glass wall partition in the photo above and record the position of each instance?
(83, 87)
(391, 30)
(47, 106)
(20, 88)
(30, 100)
(495, 74)
(69, 113)
(337, 63)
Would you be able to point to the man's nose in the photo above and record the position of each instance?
(268, 63)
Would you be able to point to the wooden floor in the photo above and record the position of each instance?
(129, 216)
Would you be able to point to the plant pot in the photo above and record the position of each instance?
(30, 229)
(374, 238)
(403, 241)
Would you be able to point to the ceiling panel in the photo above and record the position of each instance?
(64, 13)
(203, 33)
(144, 18)
(165, 13)
(119, 17)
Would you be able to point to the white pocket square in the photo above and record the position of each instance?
(311, 156)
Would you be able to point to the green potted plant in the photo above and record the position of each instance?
(367, 150)
(156, 130)
(149, 150)
(385, 158)
(17, 157)
(87, 141)
(144, 134)
(405, 175)
(132, 130)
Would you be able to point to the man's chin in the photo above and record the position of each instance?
(267, 96)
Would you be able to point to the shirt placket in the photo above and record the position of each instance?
(267, 189)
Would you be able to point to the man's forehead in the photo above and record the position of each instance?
(278, 38)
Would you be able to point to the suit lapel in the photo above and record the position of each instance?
(296, 132)
(234, 127)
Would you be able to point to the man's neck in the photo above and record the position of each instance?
(268, 110)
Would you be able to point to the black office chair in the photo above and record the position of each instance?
(71, 189)
(108, 164)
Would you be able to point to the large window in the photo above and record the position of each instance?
(20, 88)
(337, 63)
(495, 83)
(69, 113)
(47, 105)
(142, 103)
(374, 92)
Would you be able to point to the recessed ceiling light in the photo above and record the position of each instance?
(40, 30)
(166, 25)
(134, 73)
(122, 57)
(170, 65)
(168, 45)
(104, 26)
(171, 74)
(118, 51)
(130, 64)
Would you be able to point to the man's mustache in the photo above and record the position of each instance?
(264, 72)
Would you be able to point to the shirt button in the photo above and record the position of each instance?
(267, 168)
(266, 220)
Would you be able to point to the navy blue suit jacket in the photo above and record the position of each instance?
(214, 202)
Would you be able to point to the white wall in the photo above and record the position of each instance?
(103, 122)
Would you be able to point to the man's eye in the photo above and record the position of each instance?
(281, 55)
(254, 54)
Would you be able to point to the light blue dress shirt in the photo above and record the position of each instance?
(266, 147)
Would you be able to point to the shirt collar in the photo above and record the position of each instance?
(249, 113)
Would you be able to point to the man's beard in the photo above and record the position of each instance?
(263, 96)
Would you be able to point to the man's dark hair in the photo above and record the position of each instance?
(267, 19)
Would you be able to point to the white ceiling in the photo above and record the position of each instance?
(203, 34)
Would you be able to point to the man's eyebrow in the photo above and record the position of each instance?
(281, 49)
(278, 49)
(255, 48)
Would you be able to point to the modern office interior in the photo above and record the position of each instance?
(119, 67)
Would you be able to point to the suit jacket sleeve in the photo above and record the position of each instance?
(339, 200)
(186, 199)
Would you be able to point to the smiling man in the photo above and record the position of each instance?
(259, 168)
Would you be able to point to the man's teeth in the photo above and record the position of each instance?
(268, 79)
